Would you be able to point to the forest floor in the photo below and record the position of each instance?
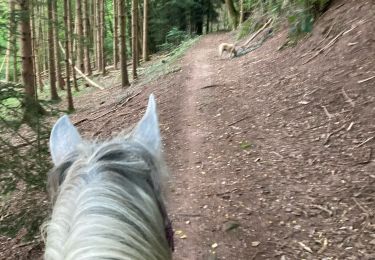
(271, 154)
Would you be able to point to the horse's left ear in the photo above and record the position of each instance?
(147, 130)
(63, 140)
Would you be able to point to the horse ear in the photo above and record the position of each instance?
(63, 140)
(147, 130)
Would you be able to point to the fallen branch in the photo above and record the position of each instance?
(91, 82)
(330, 44)
(329, 115)
(211, 86)
(258, 32)
(365, 142)
(329, 212)
(333, 133)
(348, 99)
(239, 120)
(365, 80)
(369, 214)
(306, 248)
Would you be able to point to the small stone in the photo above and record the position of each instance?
(255, 243)
(214, 245)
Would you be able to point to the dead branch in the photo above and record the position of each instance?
(362, 208)
(91, 82)
(365, 80)
(365, 142)
(330, 44)
(306, 248)
(211, 86)
(348, 99)
(258, 32)
(324, 246)
(329, 115)
(329, 212)
(333, 133)
(239, 120)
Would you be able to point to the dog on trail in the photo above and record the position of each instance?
(229, 48)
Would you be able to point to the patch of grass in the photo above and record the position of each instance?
(245, 145)
(167, 64)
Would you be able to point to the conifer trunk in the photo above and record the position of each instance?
(26, 51)
(145, 31)
(102, 36)
(51, 54)
(80, 36)
(60, 80)
(86, 42)
(232, 13)
(123, 54)
(115, 34)
(67, 52)
(71, 29)
(134, 38)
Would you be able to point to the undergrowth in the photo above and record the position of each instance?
(166, 64)
(299, 14)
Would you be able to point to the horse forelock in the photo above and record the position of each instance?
(107, 204)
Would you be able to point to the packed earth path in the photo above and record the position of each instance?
(268, 158)
(271, 154)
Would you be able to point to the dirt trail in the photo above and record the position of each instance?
(271, 157)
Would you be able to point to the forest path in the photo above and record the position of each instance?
(258, 170)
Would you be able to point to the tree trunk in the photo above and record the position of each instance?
(241, 12)
(98, 34)
(36, 39)
(145, 31)
(80, 36)
(134, 38)
(115, 34)
(123, 54)
(51, 54)
(60, 80)
(26, 51)
(102, 36)
(232, 12)
(86, 42)
(71, 29)
(67, 52)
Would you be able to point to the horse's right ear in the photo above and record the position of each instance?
(147, 130)
(63, 140)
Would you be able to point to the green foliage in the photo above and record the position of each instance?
(300, 14)
(173, 38)
(167, 64)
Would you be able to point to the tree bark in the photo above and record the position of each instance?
(134, 38)
(71, 29)
(115, 34)
(102, 36)
(123, 52)
(51, 54)
(145, 31)
(241, 12)
(26, 50)
(80, 35)
(60, 80)
(67, 53)
(232, 12)
(86, 42)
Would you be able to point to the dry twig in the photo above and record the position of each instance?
(329, 212)
(239, 120)
(329, 115)
(258, 32)
(348, 99)
(365, 80)
(365, 142)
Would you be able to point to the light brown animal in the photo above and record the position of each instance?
(227, 47)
